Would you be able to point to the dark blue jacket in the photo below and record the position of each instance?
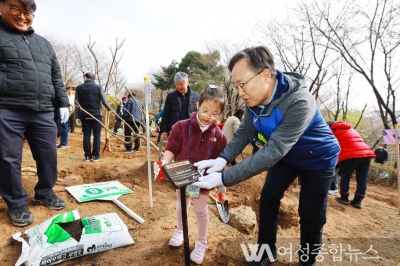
(90, 96)
(294, 128)
(133, 110)
(159, 115)
(172, 108)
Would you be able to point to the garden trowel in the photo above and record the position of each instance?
(222, 207)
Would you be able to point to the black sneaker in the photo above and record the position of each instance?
(97, 158)
(136, 150)
(21, 216)
(342, 201)
(88, 158)
(53, 202)
(265, 260)
(128, 151)
(356, 204)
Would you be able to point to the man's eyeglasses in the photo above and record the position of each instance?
(17, 12)
(242, 84)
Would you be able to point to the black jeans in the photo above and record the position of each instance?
(361, 166)
(71, 123)
(335, 182)
(40, 131)
(89, 126)
(128, 135)
(117, 124)
(312, 206)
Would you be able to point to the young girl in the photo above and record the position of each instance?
(195, 139)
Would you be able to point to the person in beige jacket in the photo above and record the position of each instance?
(231, 125)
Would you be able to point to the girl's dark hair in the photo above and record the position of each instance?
(258, 59)
(239, 113)
(29, 5)
(215, 94)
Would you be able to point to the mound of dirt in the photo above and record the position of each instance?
(377, 223)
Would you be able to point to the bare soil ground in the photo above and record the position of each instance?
(375, 226)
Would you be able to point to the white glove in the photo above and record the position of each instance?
(221, 188)
(157, 168)
(209, 181)
(64, 114)
(78, 122)
(216, 165)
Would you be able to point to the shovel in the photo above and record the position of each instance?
(222, 207)
(123, 207)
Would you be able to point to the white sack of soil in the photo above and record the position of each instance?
(66, 236)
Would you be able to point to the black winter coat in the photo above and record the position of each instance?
(90, 96)
(30, 76)
(172, 108)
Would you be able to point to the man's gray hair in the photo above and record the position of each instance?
(181, 77)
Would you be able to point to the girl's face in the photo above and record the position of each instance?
(209, 112)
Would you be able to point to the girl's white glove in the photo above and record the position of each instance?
(157, 168)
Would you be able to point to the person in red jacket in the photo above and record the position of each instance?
(355, 155)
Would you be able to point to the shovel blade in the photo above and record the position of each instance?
(223, 210)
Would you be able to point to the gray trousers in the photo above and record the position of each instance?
(40, 130)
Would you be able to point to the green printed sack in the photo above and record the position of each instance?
(66, 236)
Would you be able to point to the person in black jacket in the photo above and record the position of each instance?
(30, 88)
(179, 104)
(89, 96)
(381, 154)
(120, 112)
(132, 117)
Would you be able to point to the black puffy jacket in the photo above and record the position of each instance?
(172, 109)
(90, 96)
(30, 76)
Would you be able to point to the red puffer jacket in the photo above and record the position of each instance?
(351, 143)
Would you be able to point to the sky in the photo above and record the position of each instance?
(157, 32)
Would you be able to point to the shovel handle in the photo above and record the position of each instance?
(212, 197)
(159, 150)
(127, 210)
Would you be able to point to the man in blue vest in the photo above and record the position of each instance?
(298, 142)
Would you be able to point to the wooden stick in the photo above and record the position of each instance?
(127, 142)
(29, 169)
